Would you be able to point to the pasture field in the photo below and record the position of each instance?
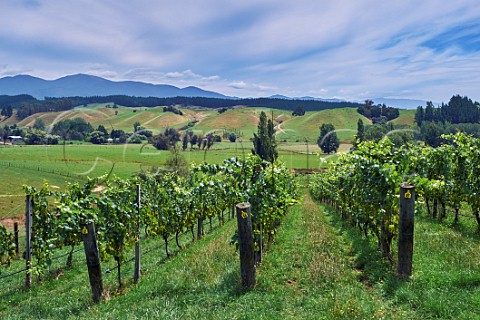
(245, 120)
(12, 196)
(308, 126)
(406, 117)
(60, 164)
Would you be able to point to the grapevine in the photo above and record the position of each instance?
(169, 205)
(363, 185)
(7, 247)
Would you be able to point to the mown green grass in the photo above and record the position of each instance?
(446, 268)
(446, 280)
(12, 196)
(128, 159)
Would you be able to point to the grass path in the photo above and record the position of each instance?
(306, 274)
(309, 274)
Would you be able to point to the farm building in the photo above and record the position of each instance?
(14, 139)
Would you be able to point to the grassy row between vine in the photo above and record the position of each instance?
(317, 268)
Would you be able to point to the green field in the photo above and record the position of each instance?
(32, 165)
(308, 126)
(407, 117)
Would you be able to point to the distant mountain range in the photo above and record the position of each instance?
(390, 102)
(279, 96)
(87, 85)
(401, 103)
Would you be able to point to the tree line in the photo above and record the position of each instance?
(29, 108)
(378, 113)
(458, 110)
(28, 105)
(461, 114)
(216, 103)
(16, 100)
(74, 129)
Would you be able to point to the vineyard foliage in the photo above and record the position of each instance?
(364, 184)
(7, 246)
(168, 205)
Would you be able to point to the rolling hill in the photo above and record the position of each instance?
(308, 126)
(241, 119)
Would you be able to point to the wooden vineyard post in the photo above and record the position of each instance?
(245, 241)
(28, 239)
(93, 260)
(260, 245)
(406, 230)
(136, 272)
(15, 235)
(200, 228)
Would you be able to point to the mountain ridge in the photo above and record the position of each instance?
(89, 85)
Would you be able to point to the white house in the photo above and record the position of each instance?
(14, 139)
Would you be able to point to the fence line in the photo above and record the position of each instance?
(109, 270)
(448, 209)
(19, 165)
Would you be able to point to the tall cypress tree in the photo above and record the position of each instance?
(360, 136)
(419, 115)
(264, 140)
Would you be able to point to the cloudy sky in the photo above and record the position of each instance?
(352, 49)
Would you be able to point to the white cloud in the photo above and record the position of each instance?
(349, 49)
(238, 85)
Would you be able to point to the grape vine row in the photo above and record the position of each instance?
(169, 205)
(364, 184)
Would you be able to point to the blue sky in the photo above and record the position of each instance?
(351, 49)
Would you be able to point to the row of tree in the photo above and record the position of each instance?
(16, 100)
(379, 112)
(74, 129)
(458, 110)
(12, 130)
(53, 105)
(7, 111)
(170, 137)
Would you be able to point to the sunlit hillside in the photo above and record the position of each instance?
(240, 119)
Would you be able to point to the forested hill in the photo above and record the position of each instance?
(15, 101)
(283, 104)
(60, 104)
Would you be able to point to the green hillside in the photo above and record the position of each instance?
(288, 128)
(407, 117)
(242, 119)
(120, 118)
(308, 126)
